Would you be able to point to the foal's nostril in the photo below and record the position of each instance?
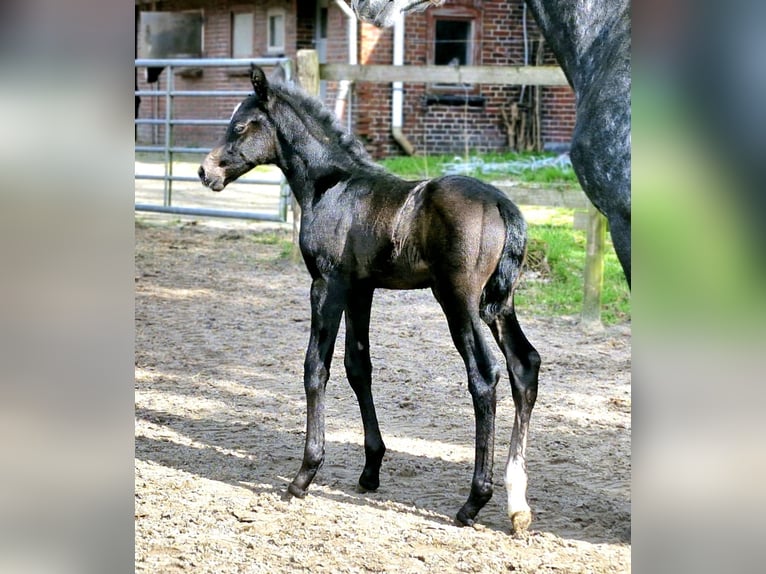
(201, 174)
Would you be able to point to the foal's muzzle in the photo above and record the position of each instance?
(216, 183)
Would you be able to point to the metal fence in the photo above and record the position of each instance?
(169, 151)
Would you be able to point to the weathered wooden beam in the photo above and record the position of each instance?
(571, 198)
(307, 68)
(594, 267)
(509, 75)
(307, 72)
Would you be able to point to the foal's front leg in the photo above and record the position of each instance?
(327, 302)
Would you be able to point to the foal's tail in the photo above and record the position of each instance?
(498, 292)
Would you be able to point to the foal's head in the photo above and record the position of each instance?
(250, 139)
(383, 13)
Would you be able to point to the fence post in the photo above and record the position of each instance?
(307, 73)
(594, 267)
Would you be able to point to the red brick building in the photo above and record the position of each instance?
(435, 118)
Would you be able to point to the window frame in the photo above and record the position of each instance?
(271, 13)
(234, 15)
(461, 14)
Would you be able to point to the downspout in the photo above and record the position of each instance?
(341, 100)
(526, 47)
(397, 94)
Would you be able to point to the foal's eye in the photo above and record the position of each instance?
(240, 128)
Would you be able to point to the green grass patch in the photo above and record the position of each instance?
(416, 167)
(489, 169)
(548, 174)
(553, 284)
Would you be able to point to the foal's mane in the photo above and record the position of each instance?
(317, 118)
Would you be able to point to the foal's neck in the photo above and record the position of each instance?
(571, 27)
(314, 152)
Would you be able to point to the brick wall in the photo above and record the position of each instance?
(435, 127)
(558, 117)
(432, 126)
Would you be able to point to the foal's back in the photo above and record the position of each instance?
(427, 231)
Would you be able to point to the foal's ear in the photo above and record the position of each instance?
(260, 84)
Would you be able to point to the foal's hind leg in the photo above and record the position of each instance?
(359, 373)
(483, 374)
(523, 368)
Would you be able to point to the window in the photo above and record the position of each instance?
(322, 19)
(453, 42)
(170, 34)
(454, 33)
(276, 31)
(242, 35)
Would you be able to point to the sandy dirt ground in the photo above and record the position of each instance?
(221, 328)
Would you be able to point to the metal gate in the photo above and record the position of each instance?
(177, 163)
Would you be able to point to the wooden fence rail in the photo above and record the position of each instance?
(506, 75)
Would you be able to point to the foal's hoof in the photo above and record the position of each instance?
(362, 489)
(520, 521)
(367, 485)
(463, 519)
(296, 491)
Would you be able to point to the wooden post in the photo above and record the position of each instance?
(307, 74)
(594, 267)
(307, 71)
